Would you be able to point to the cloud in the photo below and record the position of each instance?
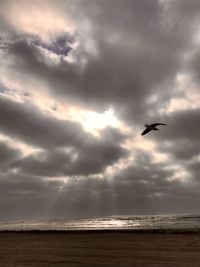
(136, 66)
(64, 60)
(26, 123)
(90, 158)
(68, 149)
(144, 187)
(43, 18)
(181, 136)
(8, 155)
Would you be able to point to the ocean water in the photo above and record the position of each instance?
(164, 222)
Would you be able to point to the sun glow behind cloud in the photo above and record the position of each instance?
(93, 121)
(66, 60)
(90, 120)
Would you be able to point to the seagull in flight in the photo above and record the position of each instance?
(151, 127)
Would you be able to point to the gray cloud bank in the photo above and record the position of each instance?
(125, 55)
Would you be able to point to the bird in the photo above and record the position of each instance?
(151, 127)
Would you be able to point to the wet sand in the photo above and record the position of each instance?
(99, 248)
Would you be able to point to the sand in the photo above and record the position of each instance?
(96, 249)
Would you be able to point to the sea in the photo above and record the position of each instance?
(137, 223)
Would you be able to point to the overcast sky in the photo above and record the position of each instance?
(78, 81)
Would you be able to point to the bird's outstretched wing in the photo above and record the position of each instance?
(156, 124)
(146, 131)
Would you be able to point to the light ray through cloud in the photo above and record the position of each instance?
(78, 81)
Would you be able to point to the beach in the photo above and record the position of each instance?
(99, 248)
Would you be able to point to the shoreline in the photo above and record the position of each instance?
(111, 231)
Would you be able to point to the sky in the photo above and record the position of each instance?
(79, 79)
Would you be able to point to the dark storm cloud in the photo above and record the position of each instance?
(180, 137)
(145, 173)
(144, 187)
(23, 196)
(86, 196)
(140, 48)
(193, 167)
(136, 189)
(26, 123)
(89, 159)
(145, 53)
(8, 155)
(187, 15)
(182, 149)
(183, 124)
(180, 140)
(28, 58)
(193, 65)
(129, 51)
(183, 10)
(17, 183)
(150, 187)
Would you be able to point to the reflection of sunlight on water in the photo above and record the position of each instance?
(120, 222)
(104, 223)
(124, 223)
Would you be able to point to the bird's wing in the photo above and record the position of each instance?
(156, 124)
(146, 131)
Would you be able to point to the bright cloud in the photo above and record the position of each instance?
(42, 18)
